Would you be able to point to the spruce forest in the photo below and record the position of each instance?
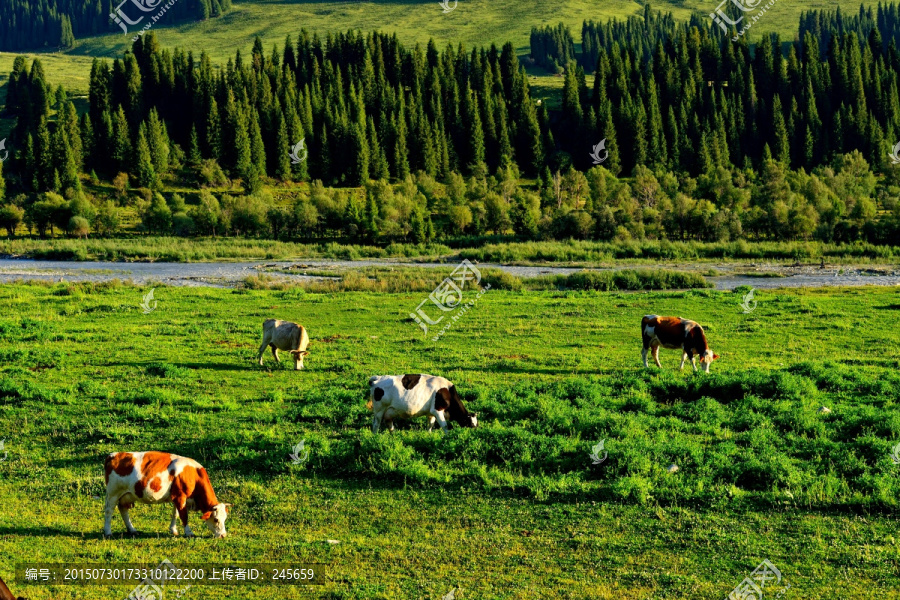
(704, 138)
(28, 25)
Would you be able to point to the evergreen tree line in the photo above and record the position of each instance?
(552, 47)
(364, 107)
(826, 25)
(699, 101)
(34, 24)
(454, 130)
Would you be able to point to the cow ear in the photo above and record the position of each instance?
(715, 356)
(206, 516)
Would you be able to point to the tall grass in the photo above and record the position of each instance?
(583, 251)
(176, 249)
(412, 279)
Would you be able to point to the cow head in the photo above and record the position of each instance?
(215, 520)
(298, 356)
(469, 420)
(707, 359)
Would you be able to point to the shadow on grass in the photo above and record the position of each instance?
(50, 532)
(193, 366)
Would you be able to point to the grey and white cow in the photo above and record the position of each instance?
(411, 396)
(285, 336)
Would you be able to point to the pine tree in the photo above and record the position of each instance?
(257, 147)
(194, 156)
(158, 140)
(121, 142)
(281, 156)
(142, 169)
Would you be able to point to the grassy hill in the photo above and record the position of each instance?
(472, 23)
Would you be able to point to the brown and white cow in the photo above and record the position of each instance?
(411, 396)
(673, 333)
(160, 477)
(285, 336)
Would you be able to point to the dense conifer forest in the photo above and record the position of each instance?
(32, 25)
(703, 138)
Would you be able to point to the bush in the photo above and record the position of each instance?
(628, 279)
(79, 227)
(500, 280)
(10, 218)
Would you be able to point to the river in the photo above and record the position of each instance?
(229, 274)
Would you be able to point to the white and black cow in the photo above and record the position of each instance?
(157, 478)
(675, 333)
(285, 336)
(411, 396)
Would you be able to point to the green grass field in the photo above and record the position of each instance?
(472, 23)
(512, 510)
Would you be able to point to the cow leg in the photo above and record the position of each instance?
(275, 353)
(644, 357)
(694, 362)
(181, 509)
(262, 350)
(683, 358)
(111, 502)
(655, 352)
(123, 510)
(441, 420)
(376, 422)
(173, 526)
(183, 513)
(431, 421)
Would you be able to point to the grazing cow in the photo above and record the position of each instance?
(284, 335)
(411, 396)
(159, 477)
(673, 333)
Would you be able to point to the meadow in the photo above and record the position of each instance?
(514, 509)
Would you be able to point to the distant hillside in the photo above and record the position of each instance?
(56, 24)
